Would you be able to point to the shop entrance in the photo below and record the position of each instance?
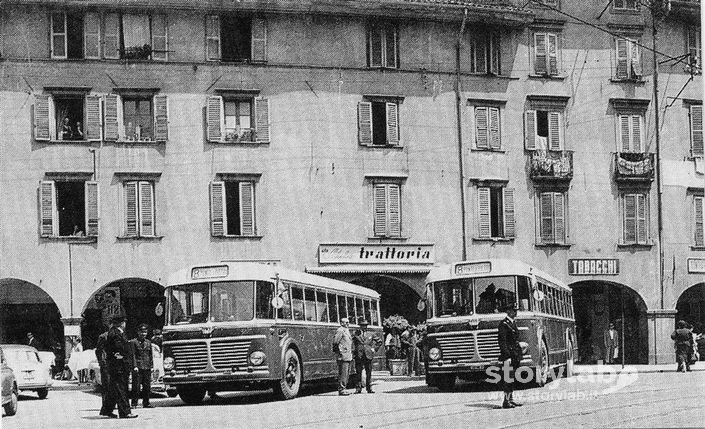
(691, 307)
(599, 303)
(396, 297)
(139, 300)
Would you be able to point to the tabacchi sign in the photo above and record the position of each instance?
(593, 267)
(376, 254)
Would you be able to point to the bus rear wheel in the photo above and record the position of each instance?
(445, 382)
(289, 385)
(191, 395)
(570, 361)
(542, 367)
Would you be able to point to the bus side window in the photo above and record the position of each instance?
(285, 311)
(332, 307)
(297, 302)
(359, 310)
(375, 316)
(543, 303)
(310, 303)
(321, 306)
(342, 309)
(351, 309)
(524, 291)
(264, 294)
(368, 315)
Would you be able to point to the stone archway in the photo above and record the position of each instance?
(396, 297)
(691, 307)
(596, 304)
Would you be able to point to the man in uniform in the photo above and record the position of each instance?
(117, 350)
(509, 353)
(366, 345)
(342, 346)
(142, 362)
(104, 375)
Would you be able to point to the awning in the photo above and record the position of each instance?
(370, 269)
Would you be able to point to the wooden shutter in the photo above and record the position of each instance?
(554, 131)
(392, 123)
(636, 133)
(364, 122)
(546, 217)
(43, 109)
(92, 214)
(131, 207)
(110, 115)
(218, 214)
(530, 129)
(630, 217)
(494, 128)
(47, 209)
(247, 208)
(259, 40)
(212, 37)
(509, 222)
(111, 46)
(625, 133)
(215, 119)
(91, 35)
(483, 210)
(394, 204)
(160, 40)
(559, 217)
(635, 59)
(622, 49)
(696, 130)
(540, 66)
(94, 119)
(642, 219)
(481, 53)
(699, 234)
(262, 120)
(161, 118)
(552, 51)
(481, 128)
(146, 209)
(380, 209)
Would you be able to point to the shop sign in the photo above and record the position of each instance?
(696, 265)
(593, 267)
(376, 254)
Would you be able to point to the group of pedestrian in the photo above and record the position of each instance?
(118, 357)
(359, 346)
(406, 345)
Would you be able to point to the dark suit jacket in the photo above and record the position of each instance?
(509, 347)
(141, 354)
(365, 345)
(117, 349)
(100, 349)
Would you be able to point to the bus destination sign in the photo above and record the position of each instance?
(198, 273)
(473, 268)
(593, 267)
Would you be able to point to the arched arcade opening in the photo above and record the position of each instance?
(396, 297)
(691, 307)
(25, 307)
(599, 303)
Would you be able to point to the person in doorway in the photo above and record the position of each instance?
(119, 364)
(142, 362)
(31, 341)
(684, 344)
(365, 345)
(342, 347)
(611, 339)
(510, 353)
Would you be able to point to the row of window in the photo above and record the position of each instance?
(556, 301)
(234, 38)
(318, 305)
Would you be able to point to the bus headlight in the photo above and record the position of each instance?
(434, 353)
(257, 358)
(168, 363)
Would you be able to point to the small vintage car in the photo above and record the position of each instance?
(31, 373)
(9, 387)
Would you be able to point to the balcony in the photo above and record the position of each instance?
(551, 166)
(686, 9)
(634, 167)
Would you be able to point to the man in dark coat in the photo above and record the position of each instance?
(117, 350)
(684, 344)
(509, 354)
(364, 345)
(142, 362)
(101, 355)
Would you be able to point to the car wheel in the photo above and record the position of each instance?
(290, 384)
(11, 407)
(172, 393)
(42, 393)
(192, 394)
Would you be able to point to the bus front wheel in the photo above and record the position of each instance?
(542, 367)
(570, 361)
(289, 385)
(445, 382)
(192, 395)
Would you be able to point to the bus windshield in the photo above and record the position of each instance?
(453, 298)
(493, 293)
(488, 295)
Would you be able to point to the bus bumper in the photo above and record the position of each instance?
(258, 374)
(445, 367)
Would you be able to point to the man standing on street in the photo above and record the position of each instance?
(117, 349)
(31, 341)
(342, 346)
(101, 355)
(142, 362)
(611, 338)
(366, 345)
(509, 354)
(684, 344)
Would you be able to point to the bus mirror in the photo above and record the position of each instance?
(421, 305)
(538, 295)
(277, 302)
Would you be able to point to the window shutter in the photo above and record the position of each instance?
(625, 133)
(160, 40)
(247, 208)
(552, 40)
(146, 209)
(630, 218)
(481, 53)
(91, 35)
(394, 195)
(215, 118)
(509, 224)
(392, 124)
(47, 209)
(540, 53)
(111, 47)
(218, 214)
(554, 131)
(495, 53)
(699, 234)
(530, 126)
(364, 122)
(131, 209)
(161, 118)
(94, 123)
(696, 130)
(559, 217)
(262, 120)
(110, 116)
(635, 59)
(642, 222)
(636, 133)
(212, 37)
(91, 195)
(42, 117)
(622, 58)
(259, 40)
(483, 199)
(380, 209)
(481, 128)
(495, 137)
(546, 215)
(58, 35)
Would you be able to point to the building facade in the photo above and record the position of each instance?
(365, 141)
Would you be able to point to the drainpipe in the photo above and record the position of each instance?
(657, 136)
(459, 121)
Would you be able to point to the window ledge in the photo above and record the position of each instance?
(70, 141)
(140, 238)
(238, 237)
(697, 248)
(384, 146)
(487, 150)
(137, 142)
(385, 237)
(638, 81)
(559, 245)
(238, 143)
(71, 238)
(637, 246)
(494, 239)
(547, 76)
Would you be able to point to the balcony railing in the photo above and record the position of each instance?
(634, 166)
(551, 166)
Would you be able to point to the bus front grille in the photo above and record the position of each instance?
(229, 353)
(488, 345)
(190, 356)
(457, 347)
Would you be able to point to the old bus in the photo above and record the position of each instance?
(464, 302)
(239, 325)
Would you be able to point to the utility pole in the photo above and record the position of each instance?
(459, 119)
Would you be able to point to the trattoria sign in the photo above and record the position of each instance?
(376, 254)
(593, 267)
